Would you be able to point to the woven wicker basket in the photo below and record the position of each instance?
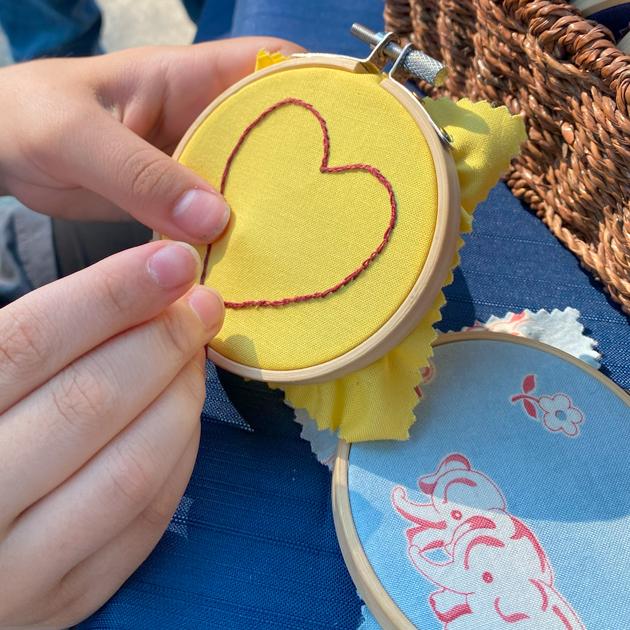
(572, 84)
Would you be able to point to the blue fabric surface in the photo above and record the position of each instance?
(253, 545)
(616, 18)
(511, 262)
(321, 26)
(217, 406)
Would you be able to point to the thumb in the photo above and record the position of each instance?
(147, 183)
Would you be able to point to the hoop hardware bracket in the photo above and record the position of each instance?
(408, 60)
(408, 63)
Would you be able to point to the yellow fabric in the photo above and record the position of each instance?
(264, 58)
(377, 402)
(485, 139)
(267, 242)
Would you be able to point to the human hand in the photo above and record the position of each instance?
(101, 388)
(85, 138)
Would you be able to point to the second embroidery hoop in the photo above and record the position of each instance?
(379, 586)
(442, 249)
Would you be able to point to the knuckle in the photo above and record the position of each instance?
(146, 171)
(159, 513)
(117, 297)
(24, 342)
(176, 336)
(82, 395)
(131, 469)
(46, 145)
(41, 147)
(61, 605)
(194, 383)
(190, 390)
(68, 603)
(21, 605)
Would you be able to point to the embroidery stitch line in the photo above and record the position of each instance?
(324, 168)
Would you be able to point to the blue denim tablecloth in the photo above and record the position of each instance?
(252, 544)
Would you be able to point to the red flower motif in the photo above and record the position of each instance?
(557, 412)
(560, 414)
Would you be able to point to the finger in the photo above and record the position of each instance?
(103, 498)
(47, 329)
(70, 203)
(62, 424)
(167, 89)
(198, 74)
(144, 181)
(87, 586)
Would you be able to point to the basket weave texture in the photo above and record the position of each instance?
(564, 74)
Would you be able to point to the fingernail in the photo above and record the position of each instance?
(174, 264)
(208, 306)
(201, 214)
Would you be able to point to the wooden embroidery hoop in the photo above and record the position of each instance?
(441, 252)
(378, 601)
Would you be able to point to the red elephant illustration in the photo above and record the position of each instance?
(459, 497)
(494, 572)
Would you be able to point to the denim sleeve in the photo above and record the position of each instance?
(51, 28)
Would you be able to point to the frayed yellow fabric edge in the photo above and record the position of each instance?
(264, 59)
(378, 402)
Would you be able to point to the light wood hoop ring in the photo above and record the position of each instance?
(439, 259)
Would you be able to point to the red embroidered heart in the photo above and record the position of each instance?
(324, 168)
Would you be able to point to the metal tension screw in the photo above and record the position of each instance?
(414, 63)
